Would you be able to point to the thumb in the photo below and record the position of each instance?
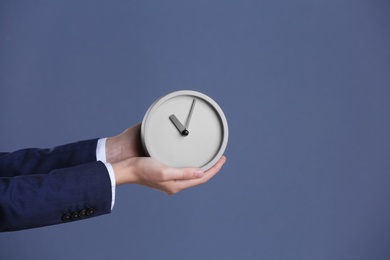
(184, 173)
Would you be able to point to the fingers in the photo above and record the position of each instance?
(217, 167)
(184, 184)
(151, 173)
(179, 174)
(183, 174)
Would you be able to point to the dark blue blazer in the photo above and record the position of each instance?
(40, 187)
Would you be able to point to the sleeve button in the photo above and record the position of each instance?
(90, 211)
(75, 215)
(83, 213)
(66, 217)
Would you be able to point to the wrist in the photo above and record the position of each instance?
(125, 145)
(113, 149)
(124, 171)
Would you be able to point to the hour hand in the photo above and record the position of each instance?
(179, 126)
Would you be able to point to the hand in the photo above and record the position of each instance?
(125, 145)
(149, 172)
(125, 153)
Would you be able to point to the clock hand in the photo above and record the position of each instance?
(179, 126)
(190, 115)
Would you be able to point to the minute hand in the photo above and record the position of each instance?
(190, 115)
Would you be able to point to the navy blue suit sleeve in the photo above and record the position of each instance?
(41, 161)
(40, 187)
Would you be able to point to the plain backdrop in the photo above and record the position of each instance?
(305, 86)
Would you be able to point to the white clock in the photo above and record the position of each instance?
(185, 129)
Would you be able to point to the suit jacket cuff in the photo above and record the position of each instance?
(101, 156)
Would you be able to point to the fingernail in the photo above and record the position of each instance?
(199, 173)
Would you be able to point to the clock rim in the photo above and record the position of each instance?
(210, 101)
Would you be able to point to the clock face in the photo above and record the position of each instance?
(185, 129)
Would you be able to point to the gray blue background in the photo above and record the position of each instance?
(305, 85)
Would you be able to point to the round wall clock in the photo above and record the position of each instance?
(185, 129)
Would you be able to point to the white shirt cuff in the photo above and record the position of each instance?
(101, 156)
